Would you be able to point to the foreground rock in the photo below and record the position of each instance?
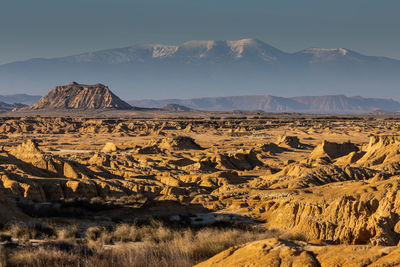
(362, 212)
(278, 252)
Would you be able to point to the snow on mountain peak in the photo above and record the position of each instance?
(199, 44)
(253, 48)
(162, 51)
(238, 47)
(319, 52)
(244, 42)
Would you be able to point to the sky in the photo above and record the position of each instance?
(54, 28)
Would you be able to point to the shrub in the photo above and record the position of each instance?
(127, 233)
(70, 232)
(93, 233)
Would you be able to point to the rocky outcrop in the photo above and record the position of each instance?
(215, 180)
(381, 150)
(109, 147)
(22, 187)
(358, 213)
(289, 141)
(272, 148)
(237, 161)
(177, 143)
(332, 150)
(44, 164)
(150, 149)
(350, 158)
(300, 175)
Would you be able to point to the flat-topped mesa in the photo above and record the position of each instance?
(80, 96)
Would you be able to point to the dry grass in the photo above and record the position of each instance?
(31, 230)
(41, 257)
(132, 245)
(295, 236)
(68, 233)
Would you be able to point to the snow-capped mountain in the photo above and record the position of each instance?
(187, 52)
(210, 68)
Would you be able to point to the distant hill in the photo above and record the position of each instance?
(207, 68)
(176, 107)
(80, 96)
(311, 104)
(20, 98)
(9, 107)
(341, 103)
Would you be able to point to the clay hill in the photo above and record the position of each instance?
(176, 107)
(80, 96)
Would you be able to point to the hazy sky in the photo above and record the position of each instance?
(50, 28)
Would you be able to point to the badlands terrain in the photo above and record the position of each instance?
(318, 191)
(158, 188)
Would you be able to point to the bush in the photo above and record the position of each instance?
(93, 233)
(98, 235)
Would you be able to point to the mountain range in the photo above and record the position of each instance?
(307, 104)
(99, 96)
(20, 98)
(211, 68)
(8, 107)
